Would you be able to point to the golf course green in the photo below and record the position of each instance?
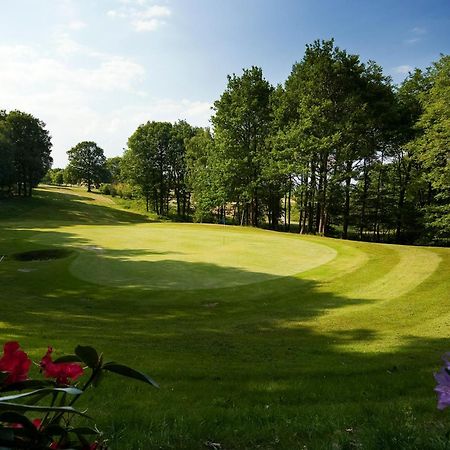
(258, 339)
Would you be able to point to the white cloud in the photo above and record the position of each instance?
(24, 67)
(412, 40)
(403, 69)
(76, 25)
(101, 98)
(141, 16)
(417, 35)
(65, 45)
(419, 30)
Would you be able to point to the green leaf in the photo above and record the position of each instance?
(68, 359)
(68, 390)
(129, 372)
(28, 384)
(6, 406)
(88, 355)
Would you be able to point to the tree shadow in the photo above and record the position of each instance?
(247, 366)
(55, 209)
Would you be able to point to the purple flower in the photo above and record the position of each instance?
(446, 359)
(443, 387)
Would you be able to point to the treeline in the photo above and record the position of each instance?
(25, 148)
(338, 145)
(337, 150)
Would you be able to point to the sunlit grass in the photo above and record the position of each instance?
(334, 353)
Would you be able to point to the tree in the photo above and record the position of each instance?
(241, 127)
(113, 166)
(58, 177)
(181, 133)
(207, 176)
(146, 163)
(54, 176)
(7, 171)
(432, 146)
(25, 140)
(325, 111)
(87, 163)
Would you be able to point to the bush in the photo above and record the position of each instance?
(124, 190)
(40, 414)
(105, 188)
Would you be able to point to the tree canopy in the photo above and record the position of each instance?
(87, 164)
(337, 150)
(25, 149)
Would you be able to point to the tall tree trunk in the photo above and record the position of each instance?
(256, 209)
(289, 204)
(347, 200)
(401, 200)
(285, 211)
(323, 188)
(311, 198)
(376, 227)
(364, 200)
(300, 203)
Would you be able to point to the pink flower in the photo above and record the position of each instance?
(61, 371)
(15, 362)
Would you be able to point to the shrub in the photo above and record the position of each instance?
(50, 401)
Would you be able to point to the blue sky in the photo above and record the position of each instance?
(96, 69)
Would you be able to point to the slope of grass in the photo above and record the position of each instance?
(259, 340)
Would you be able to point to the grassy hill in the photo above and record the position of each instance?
(258, 339)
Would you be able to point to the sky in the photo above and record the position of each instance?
(97, 69)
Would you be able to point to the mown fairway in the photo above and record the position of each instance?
(258, 339)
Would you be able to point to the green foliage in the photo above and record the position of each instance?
(338, 149)
(245, 366)
(25, 148)
(432, 146)
(54, 400)
(87, 164)
(145, 163)
(54, 176)
(207, 175)
(7, 171)
(242, 122)
(114, 168)
(155, 163)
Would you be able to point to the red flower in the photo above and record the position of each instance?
(37, 423)
(61, 371)
(15, 362)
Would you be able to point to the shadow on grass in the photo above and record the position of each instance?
(230, 368)
(56, 209)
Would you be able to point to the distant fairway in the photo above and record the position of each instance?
(259, 339)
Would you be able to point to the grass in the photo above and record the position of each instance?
(259, 340)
